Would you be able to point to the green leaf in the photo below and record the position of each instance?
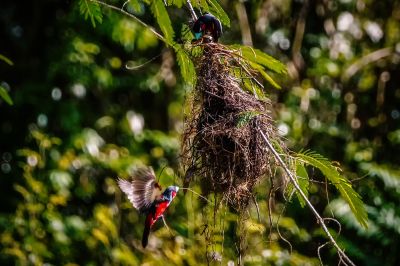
(136, 6)
(260, 61)
(5, 59)
(389, 175)
(187, 67)
(5, 96)
(261, 58)
(245, 118)
(254, 88)
(201, 4)
(248, 84)
(214, 8)
(219, 12)
(340, 182)
(160, 13)
(267, 77)
(303, 181)
(177, 3)
(186, 33)
(91, 10)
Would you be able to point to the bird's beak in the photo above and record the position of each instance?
(197, 35)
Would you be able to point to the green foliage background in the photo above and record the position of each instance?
(80, 118)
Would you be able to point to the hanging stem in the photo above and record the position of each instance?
(199, 195)
(343, 257)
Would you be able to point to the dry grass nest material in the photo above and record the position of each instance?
(221, 142)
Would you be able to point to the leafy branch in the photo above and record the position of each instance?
(158, 35)
(296, 185)
(340, 182)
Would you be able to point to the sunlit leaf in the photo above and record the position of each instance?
(91, 10)
(249, 84)
(16, 252)
(218, 11)
(264, 74)
(164, 22)
(340, 182)
(303, 181)
(6, 59)
(101, 236)
(261, 58)
(187, 67)
(6, 97)
(136, 6)
(254, 227)
(177, 3)
(103, 216)
(186, 33)
(389, 175)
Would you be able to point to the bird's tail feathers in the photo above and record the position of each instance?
(145, 238)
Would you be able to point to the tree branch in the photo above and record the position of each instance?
(297, 58)
(320, 220)
(190, 7)
(244, 23)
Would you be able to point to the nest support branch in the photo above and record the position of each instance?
(343, 257)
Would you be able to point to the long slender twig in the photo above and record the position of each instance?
(197, 194)
(166, 225)
(319, 252)
(191, 10)
(159, 36)
(279, 232)
(271, 191)
(257, 208)
(342, 255)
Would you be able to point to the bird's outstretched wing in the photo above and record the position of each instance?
(143, 190)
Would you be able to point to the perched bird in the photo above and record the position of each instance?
(207, 26)
(145, 195)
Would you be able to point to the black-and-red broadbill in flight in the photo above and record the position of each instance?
(145, 194)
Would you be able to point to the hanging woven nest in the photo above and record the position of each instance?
(222, 144)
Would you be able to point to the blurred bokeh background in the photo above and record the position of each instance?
(80, 118)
